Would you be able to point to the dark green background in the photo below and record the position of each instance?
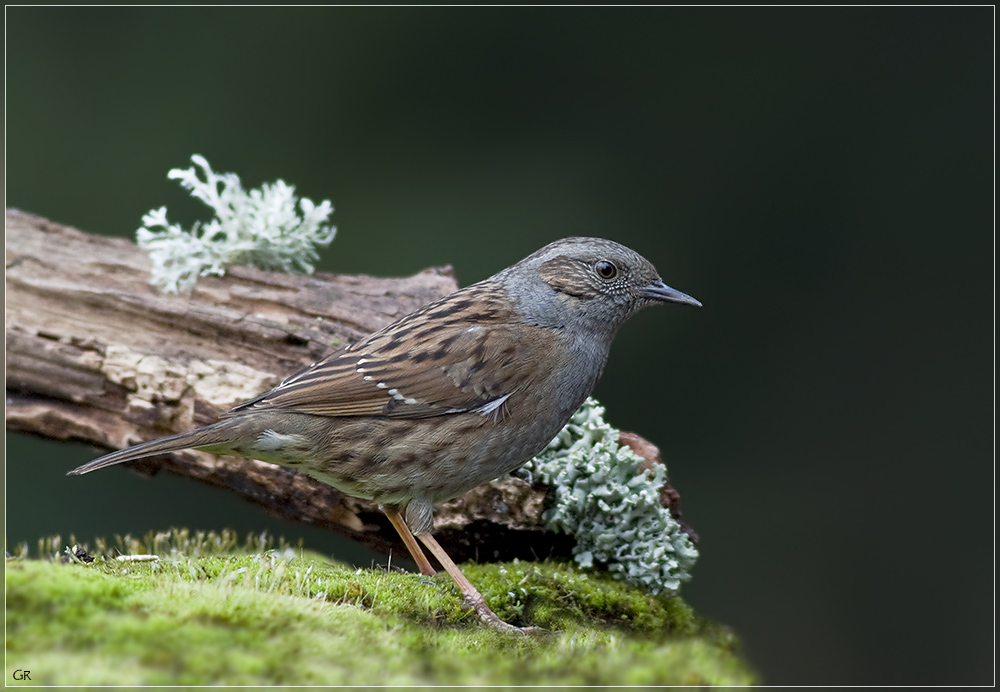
(820, 178)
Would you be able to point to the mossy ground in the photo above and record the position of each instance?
(211, 612)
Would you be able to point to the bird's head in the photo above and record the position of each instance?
(595, 281)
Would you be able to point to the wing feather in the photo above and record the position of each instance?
(454, 355)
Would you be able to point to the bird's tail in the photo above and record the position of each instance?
(217, 436)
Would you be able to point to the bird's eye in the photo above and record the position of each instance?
(606, 270)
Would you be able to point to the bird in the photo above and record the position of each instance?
(463, 390)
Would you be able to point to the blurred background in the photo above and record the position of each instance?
(820, 178)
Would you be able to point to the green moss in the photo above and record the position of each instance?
(292, 618)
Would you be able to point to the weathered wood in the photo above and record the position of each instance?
(95, 354)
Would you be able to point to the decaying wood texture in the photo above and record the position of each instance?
(95, 354)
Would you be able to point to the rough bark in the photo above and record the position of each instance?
(95, 354)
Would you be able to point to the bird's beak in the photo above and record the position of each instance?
(660, 291)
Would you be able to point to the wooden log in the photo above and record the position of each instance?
(95, 354)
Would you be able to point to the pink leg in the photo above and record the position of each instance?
(469, 592)
(411, 543)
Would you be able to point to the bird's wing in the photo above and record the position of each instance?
(453, 356)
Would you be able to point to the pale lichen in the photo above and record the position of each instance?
(602, 497)
(260, 229)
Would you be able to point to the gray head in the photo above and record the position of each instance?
(591, 282)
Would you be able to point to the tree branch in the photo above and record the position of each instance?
(95, 354)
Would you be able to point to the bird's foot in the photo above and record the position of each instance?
(471, 597)
(488, 617)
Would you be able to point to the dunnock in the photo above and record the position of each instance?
(461, 391)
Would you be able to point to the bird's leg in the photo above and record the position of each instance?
(469, 592)
(411, 543)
